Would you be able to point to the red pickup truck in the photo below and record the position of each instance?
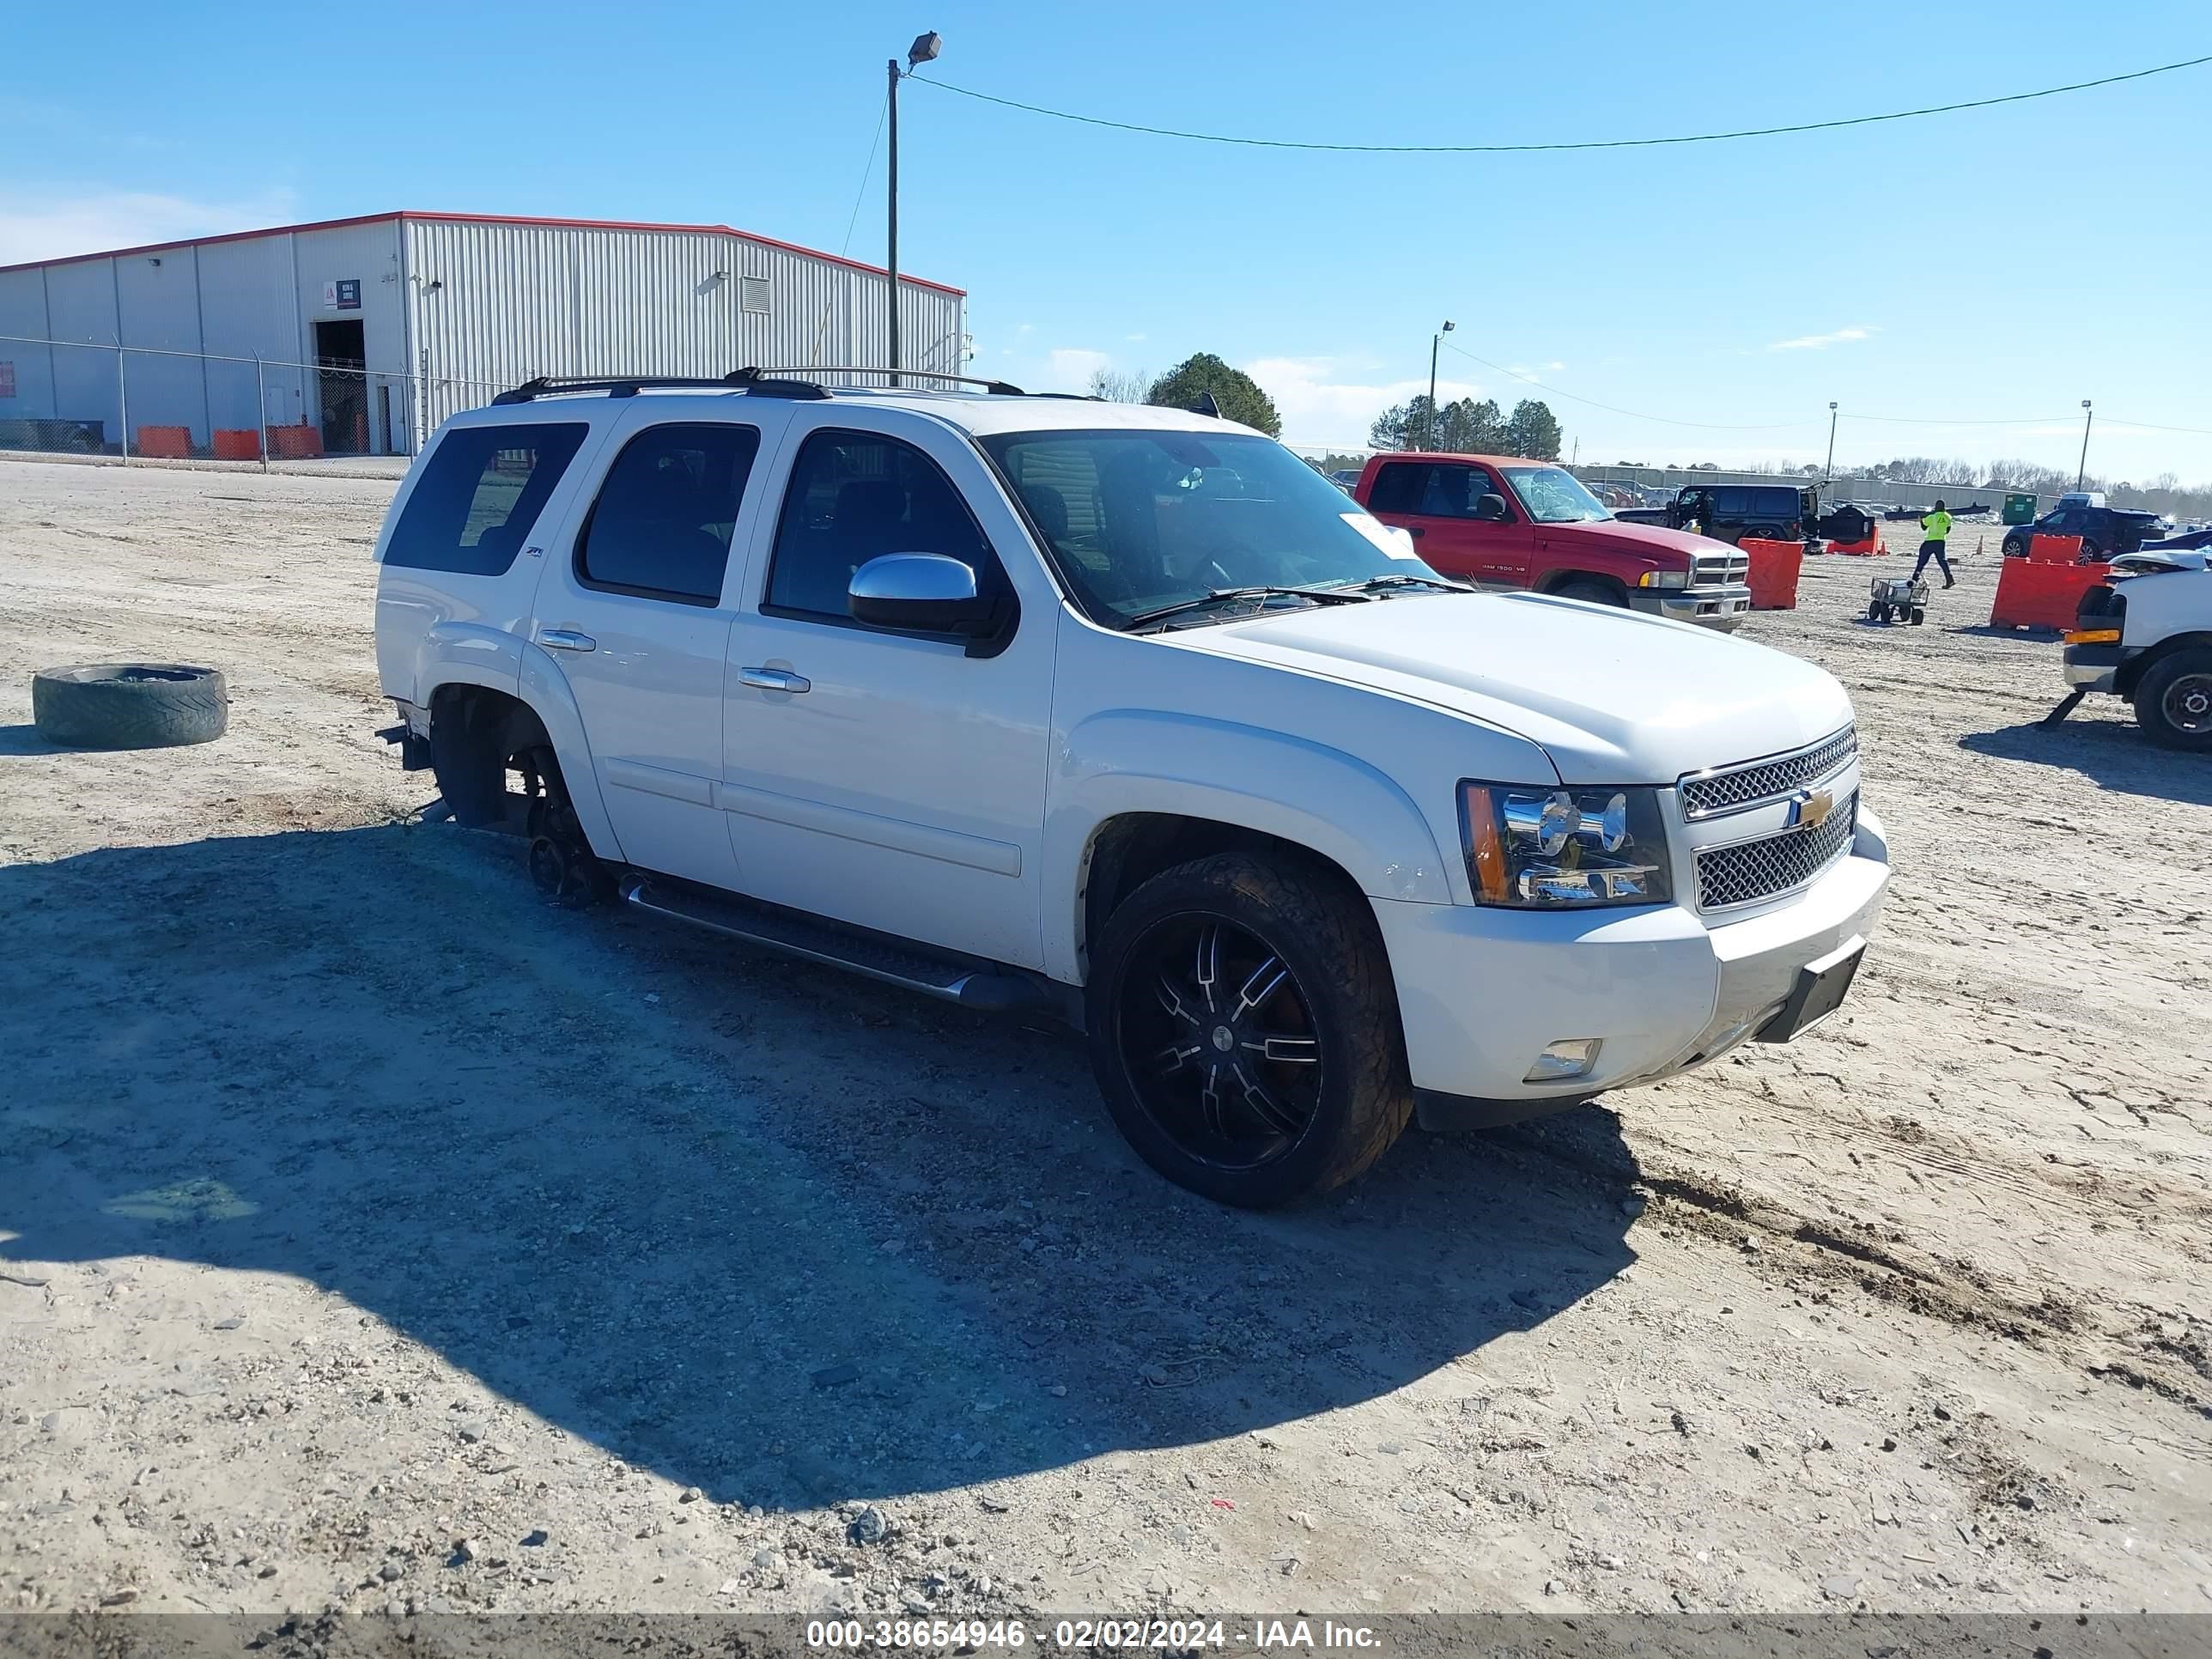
(1500, 521)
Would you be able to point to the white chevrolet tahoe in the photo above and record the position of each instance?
(1128, 714)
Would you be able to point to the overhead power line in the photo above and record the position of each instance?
(2113, 420)
(1584, 144)
(1633, 415)
(1925, 420)
(2068, 420)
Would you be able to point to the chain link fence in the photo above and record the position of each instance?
(136, 403)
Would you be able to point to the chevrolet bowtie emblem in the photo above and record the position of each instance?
(1810, 808)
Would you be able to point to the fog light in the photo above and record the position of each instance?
(1571, 1057)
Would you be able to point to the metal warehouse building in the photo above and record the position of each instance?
(359, 336)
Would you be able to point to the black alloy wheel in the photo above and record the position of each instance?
(1223, 1054)
(1243, 1027)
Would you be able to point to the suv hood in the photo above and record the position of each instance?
(1612, 697)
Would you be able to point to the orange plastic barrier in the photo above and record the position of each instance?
(1872, 544)
(169, 443)
(235, 443)
(1774, 570)
(2036, 593)
(2054, 550)
(301, 442)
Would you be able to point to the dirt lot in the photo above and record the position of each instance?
(354, 1205)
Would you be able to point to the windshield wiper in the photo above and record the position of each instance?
(1223, 595)
(1380, 584)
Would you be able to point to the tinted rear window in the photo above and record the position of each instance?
(662, 525)
(479, 494)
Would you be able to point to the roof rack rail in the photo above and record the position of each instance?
(750, 380)
(772, 383)
(995, 388)
(626, 385)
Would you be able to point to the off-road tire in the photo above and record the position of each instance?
(1919, 616)
(1593, 593)
(1325, 932)
(129, 705)
(1877, 611)
(2150, 694)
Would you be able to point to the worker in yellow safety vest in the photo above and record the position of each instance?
(1935, 531)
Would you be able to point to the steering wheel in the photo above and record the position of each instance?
(1211, 565)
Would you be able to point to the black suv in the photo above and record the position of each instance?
(1729, 512)
(2103, 530)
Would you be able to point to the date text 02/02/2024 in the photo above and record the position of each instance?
(1166, 1635)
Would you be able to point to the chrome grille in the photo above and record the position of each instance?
(1759, 869)
(1708, 793)
(1730, 565)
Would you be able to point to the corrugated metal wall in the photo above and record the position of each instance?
(452, 312)
(250, 307)
(497, 304)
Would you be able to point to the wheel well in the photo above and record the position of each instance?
(1126, 852)
(475, 732)
(2133, 670)
(1559, 579)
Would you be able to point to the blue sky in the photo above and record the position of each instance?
(1997, 265)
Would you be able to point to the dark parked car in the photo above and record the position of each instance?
(1729, 512)
(2102, 529)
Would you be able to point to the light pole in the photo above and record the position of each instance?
(2082, 471)
(1829, 471)
(923, 51)
(1429, 428)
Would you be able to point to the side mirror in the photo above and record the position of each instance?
(921, 593)
(1491, 508)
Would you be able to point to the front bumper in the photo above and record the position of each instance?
(2093, 667)
(1724, 607)
(1482, 992)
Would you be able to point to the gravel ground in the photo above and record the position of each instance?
(377, 1238)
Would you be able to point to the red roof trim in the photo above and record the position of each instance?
(906, 277)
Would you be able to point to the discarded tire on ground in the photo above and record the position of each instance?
(129, 705)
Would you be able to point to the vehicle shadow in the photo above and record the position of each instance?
(27, 740)
(785, 1236)
(2112, 752)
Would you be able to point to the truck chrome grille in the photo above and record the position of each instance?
(1753, 869)
(1728, 567)
(1706, 793)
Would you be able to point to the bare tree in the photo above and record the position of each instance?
(1121, 387)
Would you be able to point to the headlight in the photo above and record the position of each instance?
(1542, 849)
(1663, 579)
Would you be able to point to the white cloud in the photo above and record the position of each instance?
(1133, 338)
(1317, 409)
(1069, 368)
(50, 225)
(1821, 341)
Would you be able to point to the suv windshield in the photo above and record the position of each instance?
(1554, 495)
(1140, 520)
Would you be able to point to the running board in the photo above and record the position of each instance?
(874, 956)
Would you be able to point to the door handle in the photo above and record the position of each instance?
(1415, 530)
(774, 679)
(566, 639)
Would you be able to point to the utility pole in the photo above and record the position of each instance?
(2081, 472)
(1428, 426)
(923, 51)
(1829, 471)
